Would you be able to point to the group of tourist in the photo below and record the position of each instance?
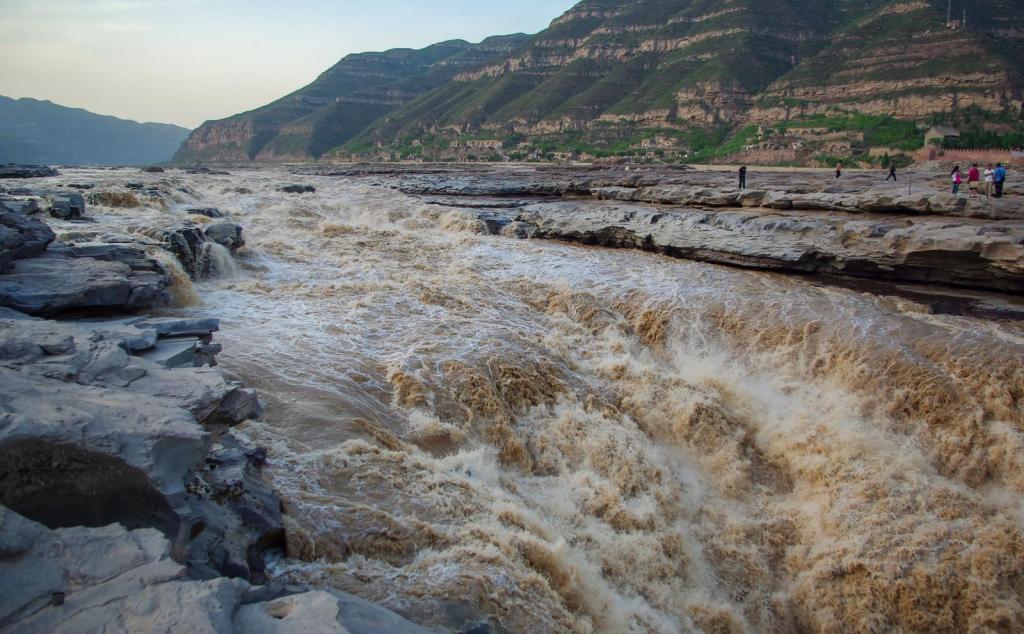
(995, 178)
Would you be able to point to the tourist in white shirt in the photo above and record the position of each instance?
(989, 179)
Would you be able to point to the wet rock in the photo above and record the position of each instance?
(519, 229)
(235, 513)
(26, 171)
(25, 207)
(185, 243)
(112, 579)
(61, 280)
(21, 237)
(206, 170)
(297, 189)
(226, 234)
(67, 206)
(117, 200)
(209, 212)
(153, 169)
(102, 432)
(81, 185)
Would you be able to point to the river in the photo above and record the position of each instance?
(569, 439)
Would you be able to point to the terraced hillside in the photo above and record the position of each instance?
(694, 76)
(339, 104)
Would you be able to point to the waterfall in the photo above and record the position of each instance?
(215, 261)
(183, 293)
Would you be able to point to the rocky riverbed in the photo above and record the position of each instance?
(239, 401)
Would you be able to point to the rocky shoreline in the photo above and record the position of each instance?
(858, 229)
(127, 502)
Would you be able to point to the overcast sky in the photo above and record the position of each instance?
(186, 61)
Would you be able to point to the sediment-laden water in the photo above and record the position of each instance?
(567, 439)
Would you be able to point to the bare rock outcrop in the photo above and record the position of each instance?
(21, 237)
(971, 253)
(112, 579)
(93, 276)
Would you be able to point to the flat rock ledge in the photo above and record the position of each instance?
(966, 252)
(126, 501)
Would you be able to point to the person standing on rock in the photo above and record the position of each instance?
(989, 171)
(892, 173)
(743, 177)
(955, 177)
(999, 178)
(839, 169)
(973, 181)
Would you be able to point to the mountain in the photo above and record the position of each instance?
(340, 103)
(705, 78)
(33, 131)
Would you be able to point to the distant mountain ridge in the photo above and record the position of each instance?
(34, 131)
(608, 74)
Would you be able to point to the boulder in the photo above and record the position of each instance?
(185, 243)
(21, 237)
(226, 234)
(209, 212)
(25, 207)
(297, 189)
(67, 206)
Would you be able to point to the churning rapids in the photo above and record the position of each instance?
(571, 439)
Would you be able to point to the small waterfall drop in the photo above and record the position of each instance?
(183, 293)
(215, 261)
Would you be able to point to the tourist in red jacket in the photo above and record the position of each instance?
(973, 181)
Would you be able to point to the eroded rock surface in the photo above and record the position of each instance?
(64, 279)
(21, 237)
(110, 579)
(977, 254)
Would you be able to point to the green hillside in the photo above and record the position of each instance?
(655, 77)
(340, 103)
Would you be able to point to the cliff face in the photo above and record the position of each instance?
(682, 63)
(339, 104)
(608, 70)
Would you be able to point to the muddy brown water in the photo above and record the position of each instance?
(570, 439)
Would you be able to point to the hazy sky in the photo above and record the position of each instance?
(186, 61)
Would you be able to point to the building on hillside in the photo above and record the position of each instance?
(484, 144)
(837, 148)
(945, 135)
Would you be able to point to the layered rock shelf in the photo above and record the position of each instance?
(802, 222)
(970, 254)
